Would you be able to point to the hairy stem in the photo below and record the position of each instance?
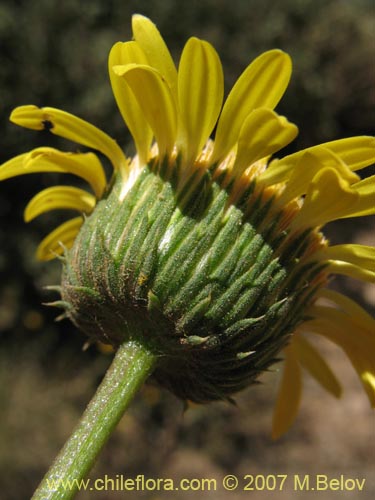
(132, 364)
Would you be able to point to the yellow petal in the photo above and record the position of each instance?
(149, 39)
(357, 261)
(368, 381)
(357, 341)
(262, 84)
(310, 359)
(366, 186)
(262, 133)
(59, 197)
(348, 269)
(156, 101)
(85, 165)
(62, 237)
(13, 167)
(200, 94)
(355, 152)
(349, 306)
(348, 326)
(366, 202)
(289, 396)
(70, 127)
(121, 54)
(308, 166)
(329, 197)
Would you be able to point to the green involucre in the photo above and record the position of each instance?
(214, 290)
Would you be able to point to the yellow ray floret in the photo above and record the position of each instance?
(262, 84)
(179, 110)
(156, 101)
(151, 42)
(300, 353)
(313, 362)
(309, 165)
(200, 95)
(84, 165)
(59, 197)
(70, 127)
(349, 307)
(366, 201)
(354, 336)
(328, 197)
(58, 240)
(263, 133)
(355, 152)
(120, 55)
(289, 395)
(357, 261)
(348, 326)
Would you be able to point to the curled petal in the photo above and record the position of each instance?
(85, 165)
(59, 197)
(121, 54)
(13, 167)
(60, 238)
(156, 101)
(366, 201)
(263, 133)
(308, 166)
(355, 152)
(328, 197)
(70, 127)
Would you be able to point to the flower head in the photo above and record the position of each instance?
(209, 248)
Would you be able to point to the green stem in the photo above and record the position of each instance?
(132, 364)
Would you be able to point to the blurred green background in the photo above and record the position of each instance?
(54, 53)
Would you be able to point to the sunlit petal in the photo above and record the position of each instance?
(262, 133)
(307, 167)
(355, 152)
(156, 101)
(200, 94)
(328, 197)
(84, 165)
(366, 202)
(148, 37)
(59, 197)
(13, 167)
(121, 54)
(70, 127)
(262, 84)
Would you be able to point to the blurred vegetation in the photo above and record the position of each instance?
(54, 53)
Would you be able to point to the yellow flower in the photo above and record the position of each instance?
(171, 115)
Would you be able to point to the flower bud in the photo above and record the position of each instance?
(214, 287)
(208, 252)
